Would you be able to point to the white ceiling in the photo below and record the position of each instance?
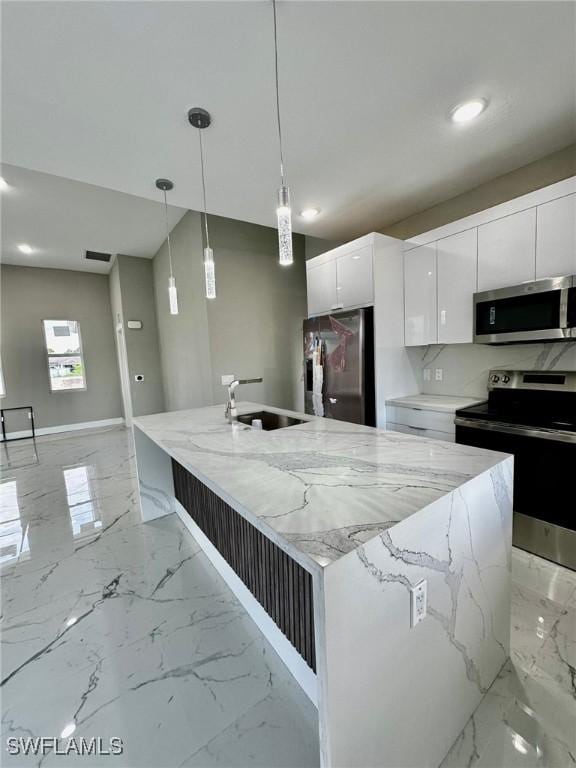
(99, 91)
(61, 219)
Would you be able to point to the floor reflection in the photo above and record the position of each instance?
(27, 531)
(82, 502)
(13, 535)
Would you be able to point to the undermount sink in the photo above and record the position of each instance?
(270, 420)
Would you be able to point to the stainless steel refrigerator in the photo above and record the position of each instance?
(342, 388)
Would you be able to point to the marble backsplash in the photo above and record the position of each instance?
(465, 367)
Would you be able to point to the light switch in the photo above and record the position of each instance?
(139, 377)
(439, 374)
(227, 378)
(427, 374)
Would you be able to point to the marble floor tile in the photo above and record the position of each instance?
(126, 630)
(543, 577)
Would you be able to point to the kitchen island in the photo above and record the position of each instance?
(323, 529)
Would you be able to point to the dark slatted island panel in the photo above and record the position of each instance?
(281, 585)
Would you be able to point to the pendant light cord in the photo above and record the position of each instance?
(278, 92)
(203, 188)
(167, 232)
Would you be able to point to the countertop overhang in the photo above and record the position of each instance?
(324, 487)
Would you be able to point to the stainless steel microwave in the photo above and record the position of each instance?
(543, 310)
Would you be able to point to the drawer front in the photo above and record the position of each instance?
(416, 417)
(448, 437)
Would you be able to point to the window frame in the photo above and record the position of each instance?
(49, 355)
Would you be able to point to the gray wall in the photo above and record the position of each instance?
(315, 246)
(137, 302)
(255, 323)
(252, 328)
(184, 339)
(30, 295)
(548, 170)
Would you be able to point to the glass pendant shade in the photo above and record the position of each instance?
(172, 296)
(209, 273)
(284, 213)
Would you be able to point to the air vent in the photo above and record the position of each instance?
(96, 256)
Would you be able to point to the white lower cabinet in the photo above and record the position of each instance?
(556, 238)
(420, 321)
(448, 437)
(456, 260)
(421, 419)
(507, 251)
(321, 285)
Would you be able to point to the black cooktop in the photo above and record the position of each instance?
(549, 412)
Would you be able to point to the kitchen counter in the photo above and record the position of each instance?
(323, 530)
(440, 403)
(322, 488)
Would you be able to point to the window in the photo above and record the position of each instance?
(65, 359)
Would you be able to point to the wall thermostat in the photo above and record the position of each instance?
(135, 325)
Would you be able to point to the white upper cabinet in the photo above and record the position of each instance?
(556, 238)
(507, 250)
(420, 305)
(457, 265)
(354, 277)
(321, 285)
(342, 278)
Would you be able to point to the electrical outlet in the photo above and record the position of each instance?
(418, 602)
(427, 374)
(227, 378)
(439, 374)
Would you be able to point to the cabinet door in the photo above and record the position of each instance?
(556, 238)
(456, 259)
(354, 278)
(420, 325)
(321, 286)
(507, 251)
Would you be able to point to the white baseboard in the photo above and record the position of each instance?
(66, 428)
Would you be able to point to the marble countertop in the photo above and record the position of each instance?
(322, 488)
(442, 403)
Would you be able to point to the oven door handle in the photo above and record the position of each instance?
(515, 429)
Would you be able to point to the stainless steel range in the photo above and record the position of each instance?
(532, 414)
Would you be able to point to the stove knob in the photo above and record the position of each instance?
(495, 379)
(505, 379)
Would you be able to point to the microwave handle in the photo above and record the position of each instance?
(564, 307)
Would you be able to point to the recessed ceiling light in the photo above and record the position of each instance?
(3, 184)
(468, 110)
(25, 248)
(310, 213)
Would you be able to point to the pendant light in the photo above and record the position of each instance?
(283, 211)
(200, 119)
(165, 185)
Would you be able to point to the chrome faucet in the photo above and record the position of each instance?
(231, 413)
